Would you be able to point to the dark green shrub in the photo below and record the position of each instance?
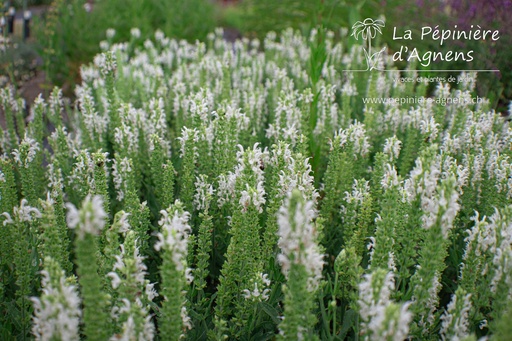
(71, 31)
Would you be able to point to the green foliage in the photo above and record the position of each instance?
(65, 44)
(89, 221)
(225, 186)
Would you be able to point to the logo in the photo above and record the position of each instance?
(420, 55)
(368, 29)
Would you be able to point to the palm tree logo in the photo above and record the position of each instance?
(368, 30)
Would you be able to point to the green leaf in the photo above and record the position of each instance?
(271, 311)
(348, 321)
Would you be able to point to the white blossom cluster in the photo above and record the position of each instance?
(381, 318)
(354, 135)
(204, 192)
(120, 172)
(501, 224)
(128, 327)
(26, 152)
(288, 114)
(91, 217)
(436, 187)
(392, 147)
(23, 213)
(428, 320)
(106, 62)
(57, 310)
(297, 240)
(174, 235)
(248, 173)
(360, 190)
(390, 178)
(455, 322)
(82, 174)
(95, 123)
(133, 305)
(188, 136)
(327, 110)
(260, 291)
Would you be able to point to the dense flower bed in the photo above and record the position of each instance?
(218, 190)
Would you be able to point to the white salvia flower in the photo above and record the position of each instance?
(349, 88)
(467, 80)
(483, 324)
(444, 203)
(250, 164)
(26, 152)
(245, 199)
(82, 174)
(157, 119)
(141, 268)
(298, 174)
(111, 33)
(122, 223)
(135, 33)
(88, 74)
(7, 219)
(501, 225)
(186, 136)
(391, 262)
(120, 172)
(429, 128)
(126, 137)
(115, 280)
(390, 177)
(2, 176)
(130, 270)
(443, 90)
(104, 45)
(87, 105)
(297, 238)
(148, 45)
(392, 147)
(204, 191)
(185, 318)
(455, 322)
(151, 293)
(90, 218)
(261, 289)
(356, 135)
(106, 62)
(148, 333)
(159, 35)
(23, 213)
(374, 290)
(431, 304)
(174, 235)
(128, 331)
(360, 190)
(55, 180)
(382, 319)
(57, 311)
(189, 275)
(256, 196)
(26, 212)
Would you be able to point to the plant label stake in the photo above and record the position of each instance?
(10, 20)
(26, 24)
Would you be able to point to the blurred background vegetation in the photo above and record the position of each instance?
(68, 33)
